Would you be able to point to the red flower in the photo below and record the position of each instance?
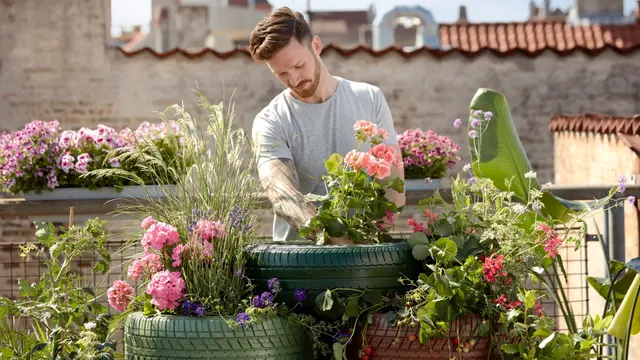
(493, 267)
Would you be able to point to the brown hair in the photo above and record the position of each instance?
(275, 31)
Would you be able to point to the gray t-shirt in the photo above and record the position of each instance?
(308, 134)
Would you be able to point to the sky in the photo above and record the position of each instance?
(138, 12)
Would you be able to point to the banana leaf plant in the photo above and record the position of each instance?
(498, 154)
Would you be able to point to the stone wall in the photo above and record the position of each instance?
(54, 64)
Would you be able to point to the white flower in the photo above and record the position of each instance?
(548, 184)
(90, 325)
(451, 220)
(466, 167)
(519, 208)
(530, 175)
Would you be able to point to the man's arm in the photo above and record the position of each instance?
(279, 179)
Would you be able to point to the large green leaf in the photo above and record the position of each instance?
(499, 155)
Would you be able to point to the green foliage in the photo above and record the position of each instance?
(68, 322)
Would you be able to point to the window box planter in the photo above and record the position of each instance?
(421, 184)
(105, 193)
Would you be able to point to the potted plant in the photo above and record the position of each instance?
(426, 158)
(195, 298)
(65, 316)
(43, 162)
(355, 208)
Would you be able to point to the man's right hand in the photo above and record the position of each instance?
(279, 179)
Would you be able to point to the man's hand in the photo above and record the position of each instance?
(279, 179)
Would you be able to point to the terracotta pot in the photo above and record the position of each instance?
(399, 343)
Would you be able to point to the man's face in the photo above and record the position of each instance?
(297, 67)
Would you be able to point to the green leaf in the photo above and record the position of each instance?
(499, 155)
(444, 229)
(420, 252)
(418, 238)
(542, 332)
(510, 348)
(353, 308)
(530, 299)
(547, 340)
(634, 264)
(336, 228)
(373, 297)
(101, 267)
(445, 250)
(603, 323)
(339, 351)
(333, 163)
(45, 233)
(560, 352)
(26, 290)
(397, 184)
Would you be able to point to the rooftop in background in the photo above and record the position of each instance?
(596, 123)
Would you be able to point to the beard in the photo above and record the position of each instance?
(308, 88)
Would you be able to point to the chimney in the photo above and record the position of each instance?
(638, 13)
(547, 7)
(462, 14)
(533, 10)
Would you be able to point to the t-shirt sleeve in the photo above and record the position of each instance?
(270, 139)
(383, 116)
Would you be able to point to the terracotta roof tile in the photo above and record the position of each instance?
(535, 36)
(502, 39)
(596, 123)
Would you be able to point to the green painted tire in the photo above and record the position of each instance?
(318, 268)
(186, 337)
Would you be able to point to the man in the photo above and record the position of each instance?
(303, 125)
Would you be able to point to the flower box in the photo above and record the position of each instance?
(105, 193)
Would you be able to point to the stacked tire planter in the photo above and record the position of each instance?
(318, 268)
(180, 337)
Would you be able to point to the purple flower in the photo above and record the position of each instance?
(238, 272)
(472, 180)
(631, 200)
(274, 284)
(344, 338)
(243, 319)
(186, 307)
(622, 184)
(237, 216)
(475, 123)
(457, 123)
(473, 134)
(477, 113)
(300, 295)
(488, 115)
(257, 302)
(266, 298)
(427, 181)
(201, 311)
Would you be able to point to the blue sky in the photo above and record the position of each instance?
(132, 12)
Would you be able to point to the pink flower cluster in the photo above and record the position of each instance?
(145, 266)
(424, 227)
(502, 301)
(159, 235)
(41, 153)
(166, 289)
(423, 149)
(368, 131)
(120, 295)
(27, 155)
(209, 229)
(376, 162)
(552, 240)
